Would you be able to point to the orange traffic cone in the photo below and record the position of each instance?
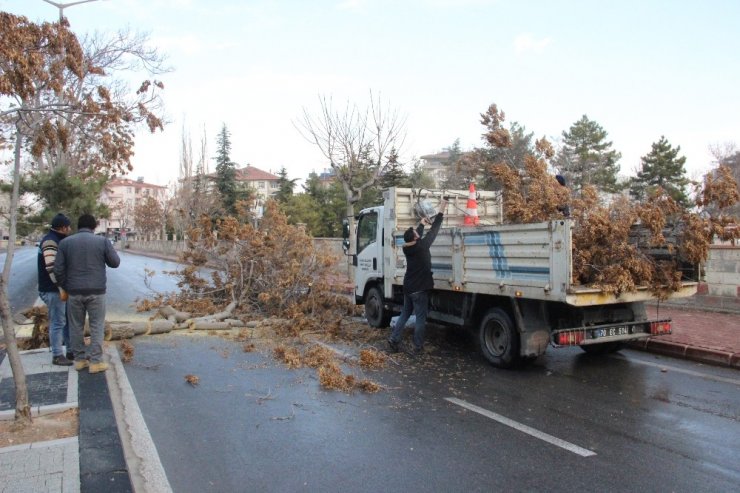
(471, 215)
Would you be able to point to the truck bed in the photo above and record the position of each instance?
(531, 261)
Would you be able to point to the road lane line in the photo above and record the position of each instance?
(676, 369)
(523, 428)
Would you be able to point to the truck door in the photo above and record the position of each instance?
(369, 250)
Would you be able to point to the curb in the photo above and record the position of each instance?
(686, 351)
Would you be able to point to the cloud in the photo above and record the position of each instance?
(352, 5)
(191, 45)
(525, 42)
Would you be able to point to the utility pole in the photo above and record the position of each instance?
(62, 6)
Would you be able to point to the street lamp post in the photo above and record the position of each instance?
(62, 6)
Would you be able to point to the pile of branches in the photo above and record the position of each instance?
(269, 270)
(615, 245)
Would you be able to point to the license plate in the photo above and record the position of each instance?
(611, 331)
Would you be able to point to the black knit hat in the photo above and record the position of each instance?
(60, 221)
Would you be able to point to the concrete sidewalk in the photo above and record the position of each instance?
(704, 336)
(105, 458)
(95, 460)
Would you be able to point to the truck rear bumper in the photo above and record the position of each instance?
(591, 297)
(598, 334)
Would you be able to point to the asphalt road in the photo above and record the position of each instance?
(448, 422)
(126, 284)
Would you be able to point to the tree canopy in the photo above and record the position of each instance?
(587, 157)
(661, 167)
(225, 171)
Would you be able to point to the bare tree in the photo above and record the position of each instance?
(78, 140)
(191, 198)
(356, 142)
(148, 217)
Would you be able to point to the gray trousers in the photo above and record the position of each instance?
(92, 305)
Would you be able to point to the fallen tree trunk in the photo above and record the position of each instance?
(226, 313)
(173, 315)
(127, 330)
(210, 325)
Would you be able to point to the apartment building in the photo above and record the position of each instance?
(122, 195)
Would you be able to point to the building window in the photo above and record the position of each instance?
(261, 184)
(128, 189)
(274, 184)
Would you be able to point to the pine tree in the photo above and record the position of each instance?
(225, 171)
(733, 162)
(455, 177)
(393, 174)
(285, 186)
(661, 167)
(587, 158)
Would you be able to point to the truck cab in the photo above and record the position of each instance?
(368, 262)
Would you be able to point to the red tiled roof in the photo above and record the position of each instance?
(125, 182)
(250, 173)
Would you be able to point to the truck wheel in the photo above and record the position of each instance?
(603, 348)
(375, 311)
(499, 339)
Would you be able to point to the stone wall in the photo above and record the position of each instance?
(720, 289)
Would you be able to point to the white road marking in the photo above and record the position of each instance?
(523, 428)
(676, 369)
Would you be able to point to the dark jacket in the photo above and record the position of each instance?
(81, 261)
(46, 257)
(418, 275)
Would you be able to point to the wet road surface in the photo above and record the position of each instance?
(567, 422)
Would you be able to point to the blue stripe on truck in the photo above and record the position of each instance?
(501, 266)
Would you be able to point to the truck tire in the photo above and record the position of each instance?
(375, 312)
(603, 348)
(499, 339)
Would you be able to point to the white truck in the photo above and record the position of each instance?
(512, 284)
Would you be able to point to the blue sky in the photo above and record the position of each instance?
(641, 69)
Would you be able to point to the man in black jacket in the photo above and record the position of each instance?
(418, 281)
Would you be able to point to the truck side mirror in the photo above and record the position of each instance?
(345, 245)
(345, 230)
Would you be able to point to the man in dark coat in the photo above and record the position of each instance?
(80, 270)
(417, 282)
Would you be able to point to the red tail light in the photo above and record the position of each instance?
(571, 338)
(657, 328)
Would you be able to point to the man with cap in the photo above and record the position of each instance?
(50, 291)
(417, 282)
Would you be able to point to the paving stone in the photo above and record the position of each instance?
(43, 389)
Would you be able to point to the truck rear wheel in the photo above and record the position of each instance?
(499, 339)
(375, 312)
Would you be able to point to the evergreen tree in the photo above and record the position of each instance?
(285, 186)
(587, 158)
(302, 208)
(225, 171)
(733, 162)
(419, 177)
(661, 167)
(455, 177)
(60, 191)
(393, 174)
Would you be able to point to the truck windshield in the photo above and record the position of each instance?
(367, 230)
